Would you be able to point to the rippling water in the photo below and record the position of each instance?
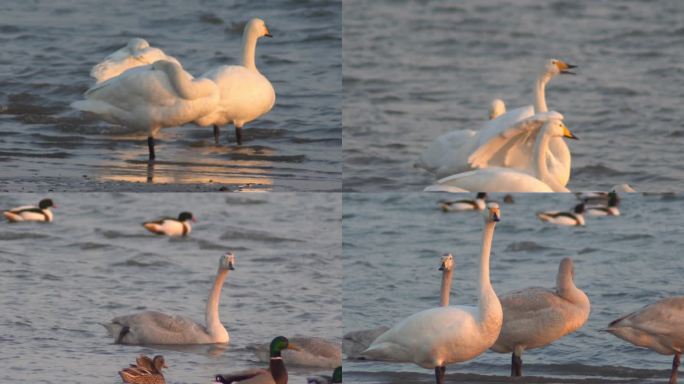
(392, 247)
(60, 280)
(416, 69)
(50, 46)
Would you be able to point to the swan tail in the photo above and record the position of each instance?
(12, 217)
(92, 106)
(385, 351)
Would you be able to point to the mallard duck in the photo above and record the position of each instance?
(275, 374)
(324, 379)
(171, 227)
(31, 213)
(145, 371)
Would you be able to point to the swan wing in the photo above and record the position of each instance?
(353, 343)
(512, 145)
(495, 179)
(127, 58)
(157, 328)
(664, 318)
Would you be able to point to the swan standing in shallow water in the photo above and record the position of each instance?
(151, 97)
(136, 53)
(158, 328)
(356, 342)
(246, 94)
(570, 219)
(448, 154)
(436, 337)
(658, 327)
(31, 213)
(536, 317)
(276, 373)
(549, 125)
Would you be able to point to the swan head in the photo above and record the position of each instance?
(279, 344)
(447, 263)
(227, 261)
(492, 214)
(556, 128)
(579, 209)
(257, 27)
(566, 268)
(136, 44)
(186, 216)
(46, 203)
(558, 67)
(158, 363)
(496, 109)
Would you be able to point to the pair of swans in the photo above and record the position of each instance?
(153, 327)
(439, 336)
(162, 94)
(449, 154)
(533, 134)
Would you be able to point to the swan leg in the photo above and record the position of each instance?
(150, 146)
(216, 134)
(516, 365)
(238, 134)
(675, 368)
(439, 374)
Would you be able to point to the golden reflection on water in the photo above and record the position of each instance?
(196, 165)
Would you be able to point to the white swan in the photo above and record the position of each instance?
(353, 343)
(658, 327)
(478, 204)
(136, 53)
(151, 97)
(571, 219)
(536, 317)
(31, 213)
(449, 153)
(246, 94)
(439, 336)
(540, 128)
(152, 327)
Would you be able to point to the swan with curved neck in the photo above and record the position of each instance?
(153, 327)
(439, 336)
(246, 94)
(448, 154)
(501, 179)
(151, 97)
(536, 317)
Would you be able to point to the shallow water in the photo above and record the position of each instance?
(392, 248)
(60, 280)
(50, 46)
(414, 70)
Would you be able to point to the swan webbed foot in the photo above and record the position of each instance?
(150, 146)
(675, 368)
(216, 134)
(150, 171)
(516, 365)
(238, 135)
(439, 374)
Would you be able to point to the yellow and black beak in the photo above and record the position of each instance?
(568, 134)
(564, 67)
(268, 33)
(442, 267)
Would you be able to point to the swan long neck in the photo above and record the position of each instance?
(446, 287)
(187, 87)
(214, 326)
(540, 93)
(566, 288)
(541, 146)
(484, 284)
(249, 42)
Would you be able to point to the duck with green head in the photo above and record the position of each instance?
(324, 379)
(275, 374)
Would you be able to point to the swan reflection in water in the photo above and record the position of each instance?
(247, 168)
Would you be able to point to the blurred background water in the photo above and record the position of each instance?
(50, 46)
(59, 281)
(392, 248)
(414, 70)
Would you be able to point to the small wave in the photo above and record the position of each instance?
(525, 246)
(21, 235)
(236, 233)
(141, 264)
